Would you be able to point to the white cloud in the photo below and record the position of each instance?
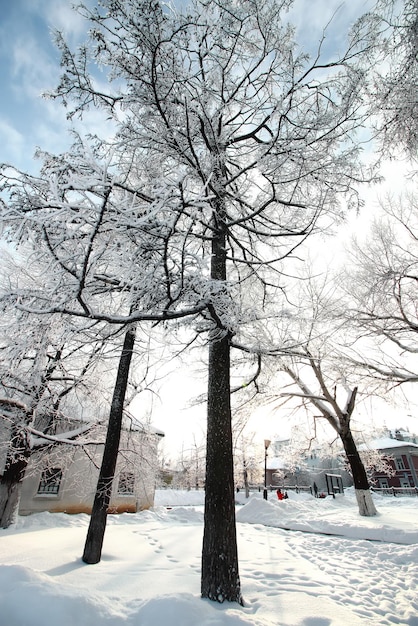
(336, 17)
(33, 70)
(61, 16)
(11, 141)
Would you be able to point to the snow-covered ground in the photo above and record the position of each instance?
(303, 562)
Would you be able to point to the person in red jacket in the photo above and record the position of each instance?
(280, 494)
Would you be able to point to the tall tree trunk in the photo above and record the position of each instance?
(220, 576)
(95, 535)
(361, 483)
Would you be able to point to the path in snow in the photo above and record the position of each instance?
(386, 595)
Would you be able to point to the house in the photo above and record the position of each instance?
(63, 477)
(401, 451)
(312, 467)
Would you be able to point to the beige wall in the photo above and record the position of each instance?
(138, 455)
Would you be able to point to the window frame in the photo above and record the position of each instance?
(50, 482)
(126, 484)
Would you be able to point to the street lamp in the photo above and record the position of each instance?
(267, 442)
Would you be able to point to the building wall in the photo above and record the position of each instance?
(137, 459)
(404, 462)
(314, 472)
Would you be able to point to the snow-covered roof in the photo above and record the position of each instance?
(275, 463)
(39, 438)
(133, 423)
(386, 442)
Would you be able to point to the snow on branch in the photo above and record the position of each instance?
(40, 438)
(318, 401)
(12, 403)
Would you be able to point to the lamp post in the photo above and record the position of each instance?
(267, 442)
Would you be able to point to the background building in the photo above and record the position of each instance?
(400, 449)
(63, 477)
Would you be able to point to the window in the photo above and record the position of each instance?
(399, 464)
(126, 483)
(50, 481)
(383, 483)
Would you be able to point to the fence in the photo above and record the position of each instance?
(295, 488)
(396, 491)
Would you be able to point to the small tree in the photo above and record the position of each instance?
(247, 464)
(42, 367)
(338, 414)
(318, 364)
(381, 291)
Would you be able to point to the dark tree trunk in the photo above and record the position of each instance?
(220, 575)
(358, 471)
(356, 464)
(95, 535)
(246, 484)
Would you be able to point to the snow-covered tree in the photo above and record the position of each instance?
(338, 413)
(393, 77)
(230, 147)
(381, 292)
(55, 362)
(43, 367)
(190, 466)
(247, 457)
(323, 378)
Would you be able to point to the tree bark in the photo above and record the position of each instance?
(95, 534)
(361, 482)
(220, 577)
(11, 481)
(10, 489)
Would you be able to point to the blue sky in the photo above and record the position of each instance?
(29, 66)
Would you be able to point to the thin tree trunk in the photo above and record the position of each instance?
(95, 535)
(361, 483)
(247, 486)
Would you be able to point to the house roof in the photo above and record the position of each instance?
(72, 432)
(133, 423)
(275, 463)
(40, 438)
(386, 443)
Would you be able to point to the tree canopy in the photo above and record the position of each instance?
(232, 146)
